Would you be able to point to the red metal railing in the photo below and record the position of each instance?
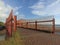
(21, 24)
(11, 23)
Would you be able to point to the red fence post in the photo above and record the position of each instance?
(15, 23)
(35, 24)
(11, 23)
(53, 25)
(10, 28)
(20, 24)
(26, 24)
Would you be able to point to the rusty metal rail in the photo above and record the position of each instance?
(11, 23)
(21, 24)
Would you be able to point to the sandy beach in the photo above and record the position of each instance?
(32, 37)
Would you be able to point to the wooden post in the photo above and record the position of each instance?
(10, 25)
(15, 23)
(10, 28)
(53, 25)
(36, 25)
(26, 24)
(21, 24)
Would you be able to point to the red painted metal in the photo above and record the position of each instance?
(35, 22)
(11, 23)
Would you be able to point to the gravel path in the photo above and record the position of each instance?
(32, 37)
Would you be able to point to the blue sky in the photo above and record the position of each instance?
(30, 9)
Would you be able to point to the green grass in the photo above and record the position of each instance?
(1, 24)
(14, 40)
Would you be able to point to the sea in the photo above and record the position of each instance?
(57, 25)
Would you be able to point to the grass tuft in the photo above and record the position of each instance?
(14, 40)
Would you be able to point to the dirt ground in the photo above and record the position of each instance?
(32, 37)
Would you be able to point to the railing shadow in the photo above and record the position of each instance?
(45, 31)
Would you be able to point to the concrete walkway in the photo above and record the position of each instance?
(31, 37)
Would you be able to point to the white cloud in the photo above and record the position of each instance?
(5, 10)
(16, 8)
(41, 9)
(17, 13)
(52, 4)
(39, 5)
(39, 12)
(21, 16)
(38, 8)
(51, 9)
(54, 8)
